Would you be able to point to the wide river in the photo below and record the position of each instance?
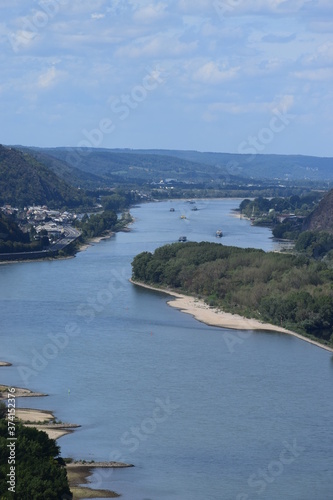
(203, 413)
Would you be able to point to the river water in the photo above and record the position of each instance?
(204, 413)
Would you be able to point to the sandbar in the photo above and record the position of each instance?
(4, 363)
(21, 393)
(44, 421)
(215, 317)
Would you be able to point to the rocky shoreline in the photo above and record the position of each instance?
(78, 471)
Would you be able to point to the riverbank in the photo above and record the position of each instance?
(30, 417)
(97, 239)
(215, 317)
(81, 248)
(78, 472)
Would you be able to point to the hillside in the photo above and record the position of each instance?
(152, 165)
(25, 181)
(128, 167)
(10, 231)
(321, 219)
(256, 166)
(72, 175)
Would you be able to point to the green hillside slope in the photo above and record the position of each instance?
(25, 181)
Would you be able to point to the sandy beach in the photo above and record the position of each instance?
(20, 392)
(44, 421)
(215, 317)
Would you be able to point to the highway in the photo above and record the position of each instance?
(70, 235)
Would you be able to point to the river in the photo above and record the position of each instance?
(200, 418)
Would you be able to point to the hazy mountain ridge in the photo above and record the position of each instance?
(142, 164)
(122, 165)
(258, 166)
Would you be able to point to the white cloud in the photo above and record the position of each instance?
(21, 40)
(150, 13)
(258, 7)
(322, 56)
(278, 38)
(48, 78)
(315, 75)
(157, 47)
(214, 73)
(97, 16)
(195, 6)
(283, 103)
(84, 6)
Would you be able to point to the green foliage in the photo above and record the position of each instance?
(3, 409)
(315, 244)
(97, 224)
(287, 290)
(265, 212)
(13, 239)
(39, 471)
(288, 229)
(298, 205)
(24, 181)
(119, 200)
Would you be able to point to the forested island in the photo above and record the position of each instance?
(290, 291)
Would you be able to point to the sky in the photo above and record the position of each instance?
(231, 76)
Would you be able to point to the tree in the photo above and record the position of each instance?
(3, 410)
(38, 470)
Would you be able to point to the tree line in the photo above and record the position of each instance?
(13, 239)
(292, 291)
(40, 472)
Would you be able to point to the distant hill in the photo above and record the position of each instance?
(66, 172)
(140, 165)
(121, 166)
(256, 166)
(321, 219)
(25, 181)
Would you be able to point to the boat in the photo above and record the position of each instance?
(182, 238)
(219, 233)
(183, 216)
(194, 209)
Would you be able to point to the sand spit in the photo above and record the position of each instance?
(215, 317)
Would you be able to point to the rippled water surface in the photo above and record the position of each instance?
(203, 413)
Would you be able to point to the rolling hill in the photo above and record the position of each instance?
(116, 166)
(127, 165)
(256, 166)
(72, 175)
(25, 181)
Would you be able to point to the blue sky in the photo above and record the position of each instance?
(224, 75)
